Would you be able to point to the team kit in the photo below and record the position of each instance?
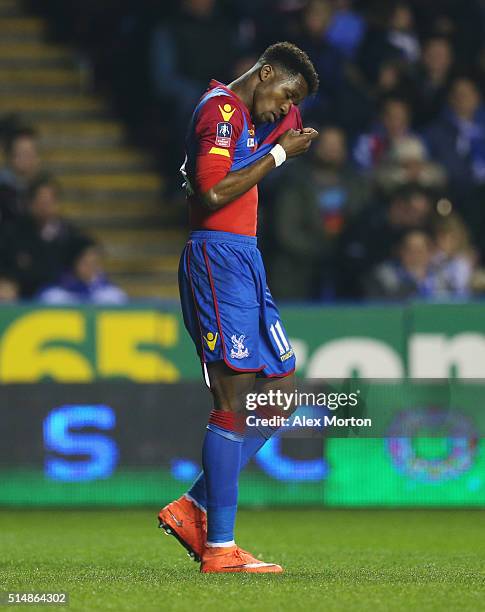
(237, 134)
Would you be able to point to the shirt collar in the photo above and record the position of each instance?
(213, 84)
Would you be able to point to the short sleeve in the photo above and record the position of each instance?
(219, 125)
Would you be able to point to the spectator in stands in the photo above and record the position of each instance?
(407, 163)
(390, 37)
(315, 200)
(410, 274)
(346, 28)
(433, 79)
(394, 124)
(406, 275)
(391, 81)
(358, 97)
(197, 45)
(372, 236)
(402, 33)
(85, 282)
(461, 22)
(372, 70)
(341, 192)
(35, 247)
(457, 139)
(382, 67)
(9, 288)
(22, 166)
(454, 256)
(316, 19)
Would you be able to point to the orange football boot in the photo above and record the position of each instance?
(219, 560)
(186, 522)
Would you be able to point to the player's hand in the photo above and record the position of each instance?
(296, 142)
(311, 132)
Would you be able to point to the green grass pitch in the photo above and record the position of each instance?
(334, 560)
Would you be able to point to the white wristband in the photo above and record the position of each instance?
(279, 154)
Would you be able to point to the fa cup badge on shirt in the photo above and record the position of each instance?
(224, 133)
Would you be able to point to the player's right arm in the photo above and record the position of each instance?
(234, 184)
(215, 185)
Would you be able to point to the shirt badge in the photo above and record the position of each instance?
(227, 111)
(239, 351)
(224, 133)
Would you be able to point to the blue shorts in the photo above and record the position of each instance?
(227, 307)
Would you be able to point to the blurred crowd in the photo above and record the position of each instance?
(390, 203)
(43, 256)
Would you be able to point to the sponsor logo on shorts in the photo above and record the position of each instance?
(238, 351)
(211, 340)
(287, 355)
(224, 133)
(251, 142)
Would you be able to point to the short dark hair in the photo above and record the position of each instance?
(43, 180)
(77, 247)
(294, 61)
(15, 134)
(409, 190)
(7, 275)
(404, 235)
(394, 98)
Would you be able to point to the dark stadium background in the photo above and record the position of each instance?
(373, 244)
(373, 241)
